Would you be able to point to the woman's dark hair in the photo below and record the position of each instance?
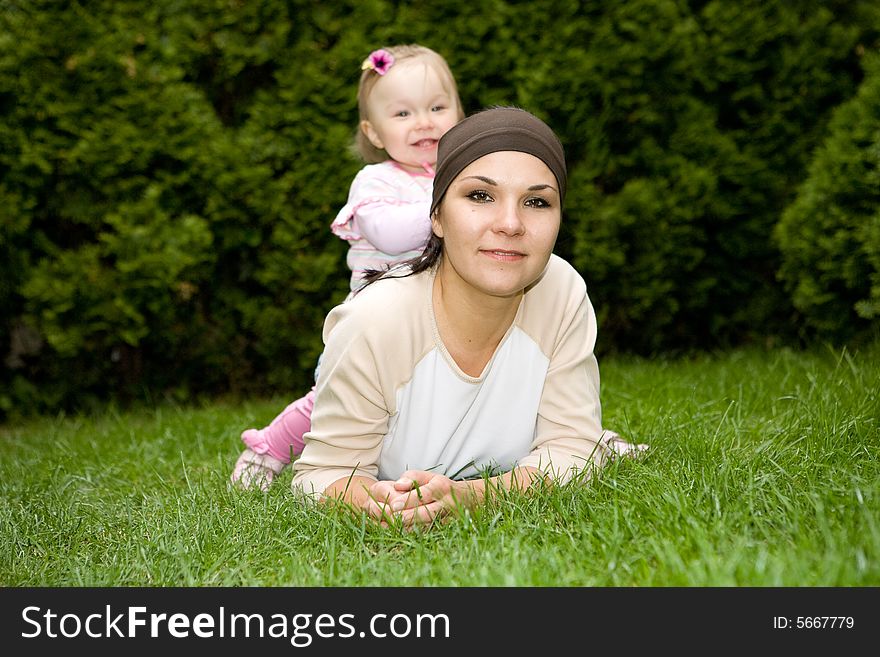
(428, 258)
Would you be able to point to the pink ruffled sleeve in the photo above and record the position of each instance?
(391, 217)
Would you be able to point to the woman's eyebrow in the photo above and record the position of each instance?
(489, 181)
(486, 180)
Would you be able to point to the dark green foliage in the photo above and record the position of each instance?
(169, 170)
(830, 235)
(688, 126)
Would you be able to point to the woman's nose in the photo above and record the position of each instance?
(509, 221)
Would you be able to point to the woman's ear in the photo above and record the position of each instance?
(436, 226)
(371, 134)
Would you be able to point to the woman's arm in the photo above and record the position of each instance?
(350, 416)
(371, 343)
(354, 491)
(568, 430)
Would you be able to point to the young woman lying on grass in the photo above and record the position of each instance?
(475, 357)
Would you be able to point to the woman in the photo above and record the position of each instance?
(477, 357)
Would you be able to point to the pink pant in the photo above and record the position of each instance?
(283, 438)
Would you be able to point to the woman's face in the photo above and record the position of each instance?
(499, 220)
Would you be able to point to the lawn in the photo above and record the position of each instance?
(763, 470)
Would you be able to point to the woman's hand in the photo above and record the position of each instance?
(419, 497)
(381, 497)
(416, 498)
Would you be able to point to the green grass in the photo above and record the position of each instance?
(763, 471)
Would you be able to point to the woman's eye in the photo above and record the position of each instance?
(479, 196)
(537, 202)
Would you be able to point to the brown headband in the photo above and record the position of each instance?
(490, 131)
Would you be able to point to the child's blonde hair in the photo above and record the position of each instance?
(369, 153)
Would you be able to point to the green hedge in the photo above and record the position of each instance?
(168, 171)
(830, 235)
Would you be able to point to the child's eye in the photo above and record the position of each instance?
(402, 113)
(479, 196)
(537, 202)
(438, 108)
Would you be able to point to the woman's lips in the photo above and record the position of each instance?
(504, 255)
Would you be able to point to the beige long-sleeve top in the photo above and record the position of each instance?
(390, 397)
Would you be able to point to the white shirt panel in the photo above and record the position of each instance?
(458, 427)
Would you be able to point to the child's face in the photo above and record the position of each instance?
(409, 111)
